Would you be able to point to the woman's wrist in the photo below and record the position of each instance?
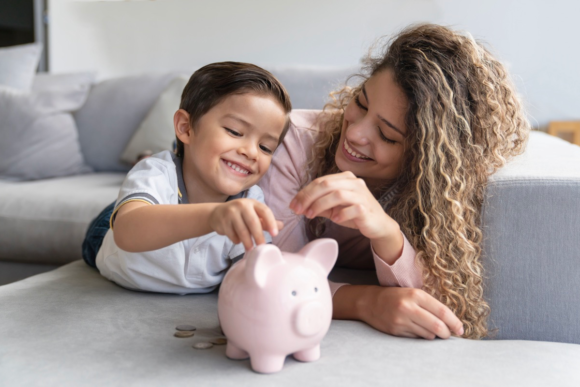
(390, 245)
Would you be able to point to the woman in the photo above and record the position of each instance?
(409, 150)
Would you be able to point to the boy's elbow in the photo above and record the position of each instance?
(123, 242)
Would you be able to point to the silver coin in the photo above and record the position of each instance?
(183, 334)
(202, 345)
(185, 327)
(219, 341)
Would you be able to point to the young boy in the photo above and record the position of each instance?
(181, 219)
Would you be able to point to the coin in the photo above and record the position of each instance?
(202, 345)
(185, 327)
(183, 334)
(219, 341)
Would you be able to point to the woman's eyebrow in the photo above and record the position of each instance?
(391, 125)
(381, 118)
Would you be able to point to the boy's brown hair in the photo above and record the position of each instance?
(212, 83)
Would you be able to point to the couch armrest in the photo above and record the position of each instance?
(531, 225)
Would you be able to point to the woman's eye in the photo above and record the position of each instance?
(385, 139)
(233, 132)
(266, 149)
(359, 104)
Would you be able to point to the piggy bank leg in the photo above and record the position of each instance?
(267, 364)
(235, 353)
(310, 354)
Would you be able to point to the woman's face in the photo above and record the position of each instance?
(372, 139)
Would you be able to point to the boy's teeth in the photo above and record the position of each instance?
(237, 168)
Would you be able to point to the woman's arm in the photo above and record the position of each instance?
(346, 200)
(397, 311)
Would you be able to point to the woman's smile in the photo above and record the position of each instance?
(352, 154)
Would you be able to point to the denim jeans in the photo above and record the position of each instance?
(95, 235)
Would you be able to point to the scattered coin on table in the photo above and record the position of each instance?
(219, 341)
(185, 327)
(202, 345)
(183, 334)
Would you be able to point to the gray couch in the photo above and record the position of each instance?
(71, 327)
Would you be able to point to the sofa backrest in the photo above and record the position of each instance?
(115, 107)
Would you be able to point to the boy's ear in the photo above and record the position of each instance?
(182, 126)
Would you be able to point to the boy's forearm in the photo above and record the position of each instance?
(152, 227)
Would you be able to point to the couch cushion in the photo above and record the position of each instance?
(18, 65)
(45, 221)
(72, 327)
(531, 225)
(112, 113)
(39, 134)
(47, 81)
(156, 132)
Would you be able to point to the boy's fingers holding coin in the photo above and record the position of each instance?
(242, 231)
(254, 226)
(267, 219)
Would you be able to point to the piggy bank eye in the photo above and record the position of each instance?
(294, 292)
(315, 290)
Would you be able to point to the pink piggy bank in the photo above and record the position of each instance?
(272, 304)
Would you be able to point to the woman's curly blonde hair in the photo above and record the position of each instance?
(464, 121)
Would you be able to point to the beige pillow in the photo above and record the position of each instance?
(156, 133)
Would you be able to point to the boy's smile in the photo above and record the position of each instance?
(231, 146)
(239, 169)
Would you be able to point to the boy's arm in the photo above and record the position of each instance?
(141, 226)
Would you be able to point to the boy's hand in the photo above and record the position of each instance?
(244, 219)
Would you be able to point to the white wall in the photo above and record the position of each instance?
(538, 39)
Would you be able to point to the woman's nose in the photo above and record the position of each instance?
(359, 132)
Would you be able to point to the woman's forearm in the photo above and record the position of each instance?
(348, 302)
(397, 311)
(390, 246)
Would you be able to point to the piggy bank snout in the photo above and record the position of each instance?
(310, 319)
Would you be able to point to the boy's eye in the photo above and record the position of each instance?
(359, 104)
(266, 149)
(233, 132)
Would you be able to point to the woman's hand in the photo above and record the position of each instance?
(242, 220)
(397, 311)
(347, 201)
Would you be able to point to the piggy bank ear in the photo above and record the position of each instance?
(324, 251)
(260, 260)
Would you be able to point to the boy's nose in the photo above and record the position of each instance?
(248, 150)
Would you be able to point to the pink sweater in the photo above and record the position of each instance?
(285, 178)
